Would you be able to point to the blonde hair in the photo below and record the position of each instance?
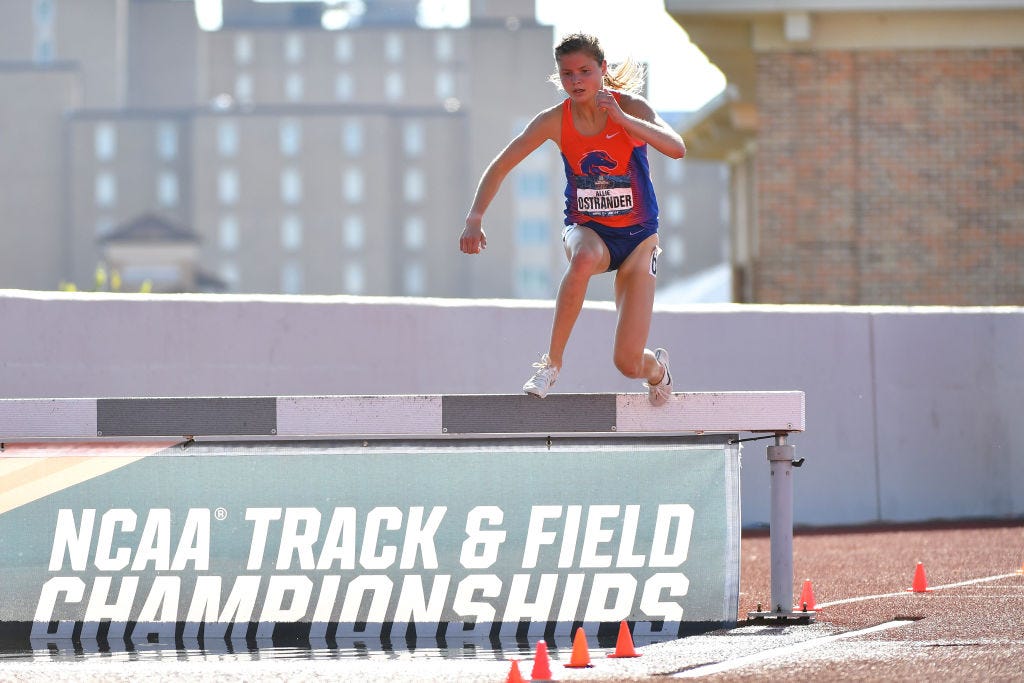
(629, 75)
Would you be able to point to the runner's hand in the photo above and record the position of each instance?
(607, 102)
(473, 239)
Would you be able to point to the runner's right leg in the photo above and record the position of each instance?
(588, 256)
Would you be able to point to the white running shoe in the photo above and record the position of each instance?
(543, 379)
(659, 394)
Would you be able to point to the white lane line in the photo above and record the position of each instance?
(861, 598)
(765, 655)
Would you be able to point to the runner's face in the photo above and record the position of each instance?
(581, 75)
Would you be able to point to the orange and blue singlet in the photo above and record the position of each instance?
(608, 185)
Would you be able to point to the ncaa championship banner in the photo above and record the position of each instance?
(455, 539)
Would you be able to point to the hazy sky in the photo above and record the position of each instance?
(680, 76)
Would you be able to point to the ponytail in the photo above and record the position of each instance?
(630, 75)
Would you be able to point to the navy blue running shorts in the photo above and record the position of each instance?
(620, 241)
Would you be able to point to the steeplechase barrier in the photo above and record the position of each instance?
(459, 517)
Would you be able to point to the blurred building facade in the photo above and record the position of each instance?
(877, 149)
(295, 159)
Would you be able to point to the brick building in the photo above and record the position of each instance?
(877, 149)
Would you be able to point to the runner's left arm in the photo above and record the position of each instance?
(643, 123)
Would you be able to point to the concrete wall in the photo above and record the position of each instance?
(911, 412)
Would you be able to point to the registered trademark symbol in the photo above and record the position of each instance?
(221, 514)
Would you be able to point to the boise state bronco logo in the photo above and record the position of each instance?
(598, 192)
(597, 163)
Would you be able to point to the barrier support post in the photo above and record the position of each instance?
(781, 462)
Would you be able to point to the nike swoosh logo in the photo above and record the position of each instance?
(634, 234)
(610, 136)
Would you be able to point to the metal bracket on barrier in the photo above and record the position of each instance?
(781, 461)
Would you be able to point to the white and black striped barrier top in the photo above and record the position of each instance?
(396, 416)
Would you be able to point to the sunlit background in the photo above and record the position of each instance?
(862, 153)
(680, 76)
(325, 146)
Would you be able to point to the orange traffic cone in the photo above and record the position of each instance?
(513, 674)
(580, 658)
(1021, 570)
(920, 584)
(806, 598)
(624, 645)
(541, 663)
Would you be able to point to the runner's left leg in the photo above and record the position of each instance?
(634, 300)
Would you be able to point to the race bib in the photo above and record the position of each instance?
(604, 195)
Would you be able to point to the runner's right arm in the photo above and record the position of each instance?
(544, 126)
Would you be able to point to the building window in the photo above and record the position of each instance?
(415, 233)
(227, 139)
(42, 48)
(294, 87)
(532, 185)
(412, 139)
(444, 47)
(243, 88)
(532, 231)
(394, 86)
(353, 186)
(415, 278)
(43, 12)
(243, 49)
(414, 186)
(355, 281)
(674, 171)
(532, 282)
(393, 48)
(105, 141)
(291, 232)
(675, 211)
(291, 186)
(227, 186)
(292, 278)
(167, 141)
(227, 233)
(294, 49)
(352, 138)
(344, 87)
(106, 189)
(343, 49)
(353, 232)
(444, 85)
(167, 189)
(289, 135)
(675, 250)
